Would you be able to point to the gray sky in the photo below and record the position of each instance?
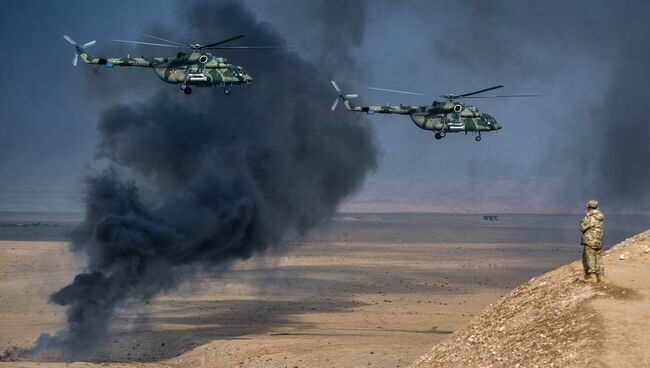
(588, 61)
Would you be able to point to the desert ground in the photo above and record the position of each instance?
(364, 290)
(558, 320)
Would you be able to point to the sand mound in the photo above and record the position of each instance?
(556, 320)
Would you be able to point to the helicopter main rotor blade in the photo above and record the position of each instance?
(398, 91)
(418, 89)
(476, 92)
(501, 96)
(156, 38)
(246, 47)
(220, 42)
(150, 44)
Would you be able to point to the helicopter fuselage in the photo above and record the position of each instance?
(440, 117)
(187, 69)
(192, 68)
(201, 69)
(468, 119)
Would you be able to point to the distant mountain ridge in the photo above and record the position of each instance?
(401, 194)
(39, 198)
(466, 195)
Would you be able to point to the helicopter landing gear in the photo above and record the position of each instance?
(185, 88)
(438, 136)
(443, 134)
(478, 138)
(226, 91)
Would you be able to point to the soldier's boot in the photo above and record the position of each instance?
(600, 278)
(592, 278)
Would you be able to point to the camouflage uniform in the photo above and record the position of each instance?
(592, 227)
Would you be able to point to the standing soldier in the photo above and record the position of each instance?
(592, 227)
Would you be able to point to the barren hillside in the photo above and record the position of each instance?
(556, 320)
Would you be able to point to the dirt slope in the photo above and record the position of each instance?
(556, 320)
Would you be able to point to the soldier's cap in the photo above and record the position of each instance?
(592, 204)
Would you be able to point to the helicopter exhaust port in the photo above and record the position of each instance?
(458, 108)
(203, 59)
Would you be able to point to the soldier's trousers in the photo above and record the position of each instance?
(592, 260)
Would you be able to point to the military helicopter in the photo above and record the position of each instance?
(194, 68)
(445, 117)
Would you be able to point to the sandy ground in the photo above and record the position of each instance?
(558, 320)
(626, 318)
(345, 300)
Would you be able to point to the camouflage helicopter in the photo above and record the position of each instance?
(194, 68)
(445, 117)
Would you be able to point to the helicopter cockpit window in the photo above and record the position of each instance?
(471, 108)
(237, 72)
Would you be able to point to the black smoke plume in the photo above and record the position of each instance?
(199, 181)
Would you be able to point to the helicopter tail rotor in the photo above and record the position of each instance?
(78, 49)
(341, 96)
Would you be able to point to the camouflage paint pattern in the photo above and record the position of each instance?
(189, 68)
(592, 261)
(448, 117)
(592, 227)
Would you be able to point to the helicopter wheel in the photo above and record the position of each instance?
(478, 138)
(442, 134)
(226, 91)
(187, 90)
(183, 86)
(438, 136)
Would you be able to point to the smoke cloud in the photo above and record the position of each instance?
(198, 181)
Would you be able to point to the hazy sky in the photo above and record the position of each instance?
(588, 60)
